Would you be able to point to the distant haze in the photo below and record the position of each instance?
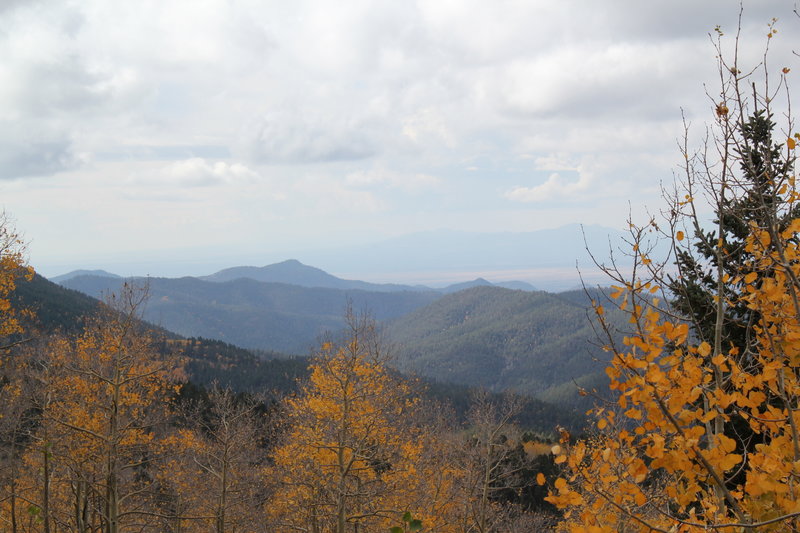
(552, 260)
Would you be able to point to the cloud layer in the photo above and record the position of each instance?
(316, 122)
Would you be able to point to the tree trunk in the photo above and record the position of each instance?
(46, 488)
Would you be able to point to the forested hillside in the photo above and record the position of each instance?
(137, 464)
(209, 361)
(532, 342)
(252, 314)
(536, 343)
(54, 307)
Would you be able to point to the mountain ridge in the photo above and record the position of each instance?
(253, 314)
(84, 272)
(208, 361)
(293, 272)
(536, 343)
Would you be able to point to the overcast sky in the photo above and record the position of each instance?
(166, 136)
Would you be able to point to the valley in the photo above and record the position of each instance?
(474, 334)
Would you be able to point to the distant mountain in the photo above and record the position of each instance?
(252, 314)
(547, 258)
(207, 361)
(516, 285)
(293, 272)
(76, 273)
(479, 282)
(534, 342)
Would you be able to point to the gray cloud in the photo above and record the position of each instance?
(438, 113)
(284, 137)
(36, 158)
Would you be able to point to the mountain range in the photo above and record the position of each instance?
(254, 314)
(551, 259)
(476, 333)
(207, 361)
(293, 272)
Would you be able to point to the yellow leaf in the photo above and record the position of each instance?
(790, 143)
(704, 349)
(751, 277)
(679, 235)
(540, 479)
(633, 413)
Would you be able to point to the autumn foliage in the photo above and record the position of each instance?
(702, 431)
(13, 266)
(94, 438)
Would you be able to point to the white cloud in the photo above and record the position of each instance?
(321, 197)
(197, 172)
(555, 162)
(555, 188)
(354, 109)
(428, 125)
(406, 182)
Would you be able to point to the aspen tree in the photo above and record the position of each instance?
(215, 471)
(347, 462)
(13, 266)
(105, 406)
(703, 434)
(15, 416)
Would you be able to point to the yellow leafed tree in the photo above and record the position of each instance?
(214, 477)
(703, 432)
(350, 459)
(102, 400)
(13, 266)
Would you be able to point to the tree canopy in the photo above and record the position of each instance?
(702, 430)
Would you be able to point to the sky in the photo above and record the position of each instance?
(170, 137)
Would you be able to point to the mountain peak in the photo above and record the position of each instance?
(76, 273)
(293, 272)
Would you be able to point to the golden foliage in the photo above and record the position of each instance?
(703, 433)
(13, 266)
(348, 456)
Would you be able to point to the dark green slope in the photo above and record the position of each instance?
(58, 309)
(252, 314)
(55, 307)
(532, 342)
(209, 361)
